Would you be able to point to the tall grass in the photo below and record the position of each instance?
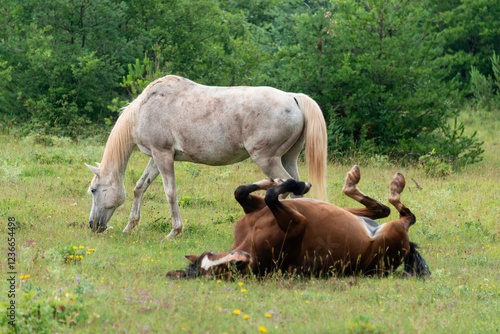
(115, 282)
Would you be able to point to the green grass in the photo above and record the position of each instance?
(119, 284)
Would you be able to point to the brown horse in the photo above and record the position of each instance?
(310, 237)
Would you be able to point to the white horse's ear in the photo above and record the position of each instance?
(98, 164)
(192, 258)
(95, 170)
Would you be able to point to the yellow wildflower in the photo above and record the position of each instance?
(236, 312)
(262, 329)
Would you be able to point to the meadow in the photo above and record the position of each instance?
(70, 280)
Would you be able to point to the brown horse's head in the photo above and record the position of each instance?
(213, 264)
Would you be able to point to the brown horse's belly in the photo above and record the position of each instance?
(334, 254)
(334, 240)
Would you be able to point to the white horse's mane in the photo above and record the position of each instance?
(120, 138)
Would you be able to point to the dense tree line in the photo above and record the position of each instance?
(388, 74)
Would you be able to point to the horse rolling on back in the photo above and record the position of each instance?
(309, 237)
(175, 119)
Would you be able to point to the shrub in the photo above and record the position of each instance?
(40, 312)
(486, 89)
(372, 66)
(434, 165)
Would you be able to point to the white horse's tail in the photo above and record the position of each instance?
(316, 144)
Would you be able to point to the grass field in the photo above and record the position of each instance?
(69, 280)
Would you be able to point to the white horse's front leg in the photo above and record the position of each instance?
(165, 162)
(150, 173)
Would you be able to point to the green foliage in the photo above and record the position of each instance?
(471, 31)
(457, 147)
(40, 312)
(5, 78)
(186, 201)
(449, 144)
(364, 324)
(11, 171)
(74, 254)
(372, 66)
(213, 48)
(485, 88)
(138, 76)
(126, 273)
(60, 54)
(482, 88)
(383, 71)
(434, 165)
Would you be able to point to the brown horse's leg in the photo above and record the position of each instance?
(291, 222)
(391, 242)
(374, 209)
(249, 202)
(397, 187)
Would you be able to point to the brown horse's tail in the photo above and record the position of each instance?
(316, 144)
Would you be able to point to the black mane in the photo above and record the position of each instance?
(415, 263)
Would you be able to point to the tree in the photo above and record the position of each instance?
(65, 57)
(471, 31)
(373, 66)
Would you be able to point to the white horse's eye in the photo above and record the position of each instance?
(93, 190)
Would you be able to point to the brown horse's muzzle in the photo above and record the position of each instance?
(241, 259)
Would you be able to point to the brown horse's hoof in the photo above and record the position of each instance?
(352, 179)
(269, 183)
(354, 175)
(398, 183)
(397, 187)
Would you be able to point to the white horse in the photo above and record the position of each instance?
(175, 119)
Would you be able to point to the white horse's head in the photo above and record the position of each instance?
(107, 195)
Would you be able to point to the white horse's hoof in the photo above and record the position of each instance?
(127, 229)
(173, 234)
(109, 228)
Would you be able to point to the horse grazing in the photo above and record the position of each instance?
(175, 119)
(309, 237)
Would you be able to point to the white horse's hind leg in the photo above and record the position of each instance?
(165, 162)
(289, 159)
(290, 165)
(272, 167)
(150, 173)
